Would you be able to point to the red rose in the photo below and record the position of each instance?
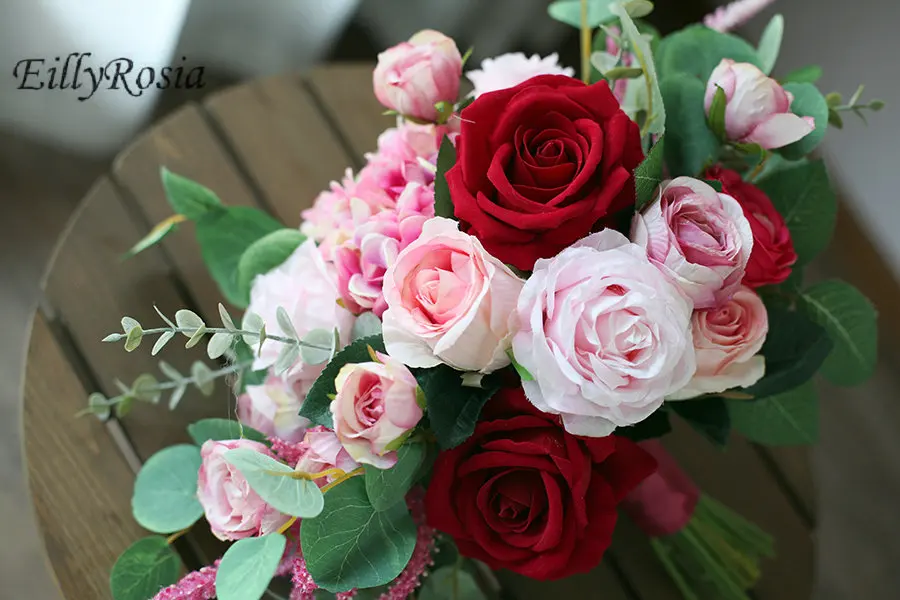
(540, 164)
(524, 495)
(773, 251)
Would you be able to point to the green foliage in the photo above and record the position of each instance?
(451, 583)
(690, 144)
(808, 102)
(365, 325)
(147, 566)
(716, 116)
(187, 197)
(265, 254)
(803, 196)
(222, 429)
(697, 50)
(852, 323)
(770, 44)
(386, 487)
(810, 74)
(654, 426)
(316, 406)
(224, 235)
(248, 567)
(443, 202)
(569, 12)
(786, 419)
(165, 492)
(649, 174)
(640, 47)
(599, 45)
(453, 408)
(524, 374)
(707, 415)
(274, 483)
(352, 545)
(156, 235)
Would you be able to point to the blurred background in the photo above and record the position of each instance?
(53, 146)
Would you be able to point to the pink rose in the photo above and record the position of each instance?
(449, 301)
(375, 406)
(413, 76)
(363, 260)
(306, 287)
(758, 109)
(698, 237)
(272, 408)
(727, 341)
(234, 511)
(323, 451)
(604, 333)
(509, 70)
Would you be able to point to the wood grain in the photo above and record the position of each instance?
(80, 484)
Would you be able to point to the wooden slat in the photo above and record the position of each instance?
(79, 482)
(282, 140)
(600, 583)
(185, 145)
(794, 466)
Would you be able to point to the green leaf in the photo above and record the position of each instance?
(654, 426)
(453, 409)
(316, 405)
(248, 567)
(794, 350)
(808, 102)
(810, 74)
(787, 419)
(599, 45)
(133, 338)
(697, 51)
(640, 47)
(524, 374)
(690, 144)
(387, 487)
(273, 482)
(623, 73)
(770, 44)
(165, 492)
(803, 196)
(569, 12)
(222, 429)
(714, 184)
(156, 235)
(147, 566)
(352, 545)
(224, 236)
(187, 197)
(365, 325)
(321, 338)
(265, 254)
(451, 583)
(852, 323)
(708, 416)
(443, 202)
(649, 175)
(716, 116)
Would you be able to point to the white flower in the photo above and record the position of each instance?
(509, 70)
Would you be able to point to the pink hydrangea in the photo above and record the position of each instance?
(273, 408)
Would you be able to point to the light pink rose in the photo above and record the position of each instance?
(323, 451)
(449, 301)
(306, 287)
(234, 511)
(375, 406)
(362, 261)
(727, 341)
(273, 409)
(605, 335)
(758, 109)
(509, 70)
(698, 237)
(413, 76)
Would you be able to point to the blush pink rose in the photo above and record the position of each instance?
(376, 406)
(758, 109)
(413, 76)
(727, 341)
(233, 509)
(509, 70)
(273, 409)
(449, 301)
(305, 286)
(362, 261)
(322, 450)
(698, 237)
(605, 335)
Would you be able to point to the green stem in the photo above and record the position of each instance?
(185, 381)
(277, 338)
(585, 44)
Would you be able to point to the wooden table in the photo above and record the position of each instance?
(274, 144)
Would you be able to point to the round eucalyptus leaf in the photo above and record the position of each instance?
(165, 492)
(248, 566)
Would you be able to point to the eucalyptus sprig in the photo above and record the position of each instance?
(316, 347)
(836, 106)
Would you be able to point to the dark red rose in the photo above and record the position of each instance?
(539, 165)
(773, 251)
(523, 494)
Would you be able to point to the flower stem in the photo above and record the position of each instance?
(585, 44)
(277, 338)
(342, 479)
(177, 535)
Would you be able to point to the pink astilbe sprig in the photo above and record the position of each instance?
(731, 16)
(199, 585)
(289, 452)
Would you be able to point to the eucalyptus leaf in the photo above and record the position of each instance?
(113, 337)
(770, 44)
(252, 322)
(133, 339)
(145, 388)
(287, 358)
(188, 319)
(284, 322)
(264, 255)
(322, 338)
(203, 378)
(227, 322)
(170, 371)
(786, 419)
(222, 429)
(165, 319)
(387, 487)
(99, 405)
(144, 568)
(165, 491)
(366, 324)
(196, 337)
(219, 344)
(176, 396)
(187, 197)
(273, 482)
(248, 567)
(124, 406)
(128, 324)
(161, 342)
(569, 12)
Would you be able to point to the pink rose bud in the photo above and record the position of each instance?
(758, 109)
(234, 511)
(699, 238)
(727, 341)
(273, 409)
(413, 76)
(375, 406)
(449, 301)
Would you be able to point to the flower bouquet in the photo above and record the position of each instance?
(463, 357)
